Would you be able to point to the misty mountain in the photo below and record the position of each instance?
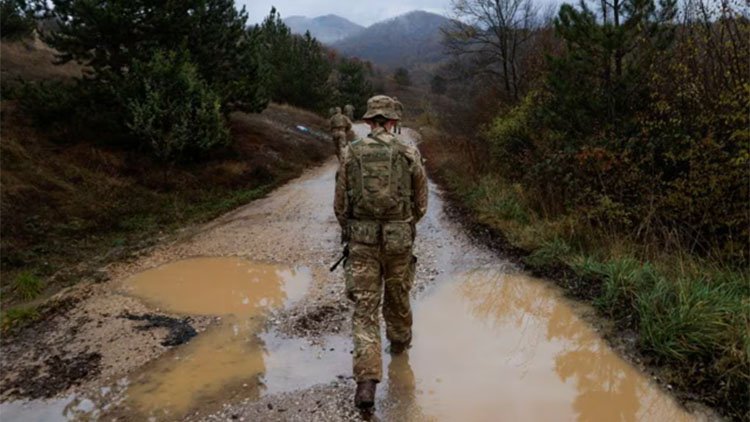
(405, 41)
(327, 29)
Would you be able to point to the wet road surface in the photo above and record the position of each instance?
(489, 343)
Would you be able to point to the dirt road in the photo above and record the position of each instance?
(240, 319)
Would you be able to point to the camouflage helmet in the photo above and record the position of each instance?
(381, 105)
(338, 110)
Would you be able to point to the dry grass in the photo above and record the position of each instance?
(32, 60)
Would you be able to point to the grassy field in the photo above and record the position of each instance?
(690, 314)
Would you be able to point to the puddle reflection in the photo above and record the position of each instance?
(227, 359)
(506, 347)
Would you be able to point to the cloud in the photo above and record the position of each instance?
(363, 13)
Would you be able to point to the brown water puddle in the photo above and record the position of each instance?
(497, 346)
(488, 346)
(228, 357)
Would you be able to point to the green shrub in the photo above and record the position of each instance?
(28, 286)
(510, 139)
(170, 110)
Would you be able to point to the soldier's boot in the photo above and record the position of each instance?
(364, 398)
(398, 347)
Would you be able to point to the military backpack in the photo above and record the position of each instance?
(380, 180)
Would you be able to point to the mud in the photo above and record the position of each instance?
(54, 374)
(274, 333)
(180, 330)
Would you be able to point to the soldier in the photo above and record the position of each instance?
(400, 111)
(340, 127)
(381, 193)
(349, 111)
(331, 112)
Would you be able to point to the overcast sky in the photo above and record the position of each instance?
(361, 12)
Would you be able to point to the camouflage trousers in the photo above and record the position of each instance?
(373, 279)
(339, 141)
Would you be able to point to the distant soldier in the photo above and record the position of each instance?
(340, 127)
(349, 111)
(400, 111)
(381, 193)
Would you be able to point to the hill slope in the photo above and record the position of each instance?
(327, 29)
(404, 41)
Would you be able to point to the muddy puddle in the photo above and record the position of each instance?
(495, 346)
(488, 346)
(228, 357)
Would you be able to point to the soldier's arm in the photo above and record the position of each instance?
(348, 124)
(419, 183)
(341, 200)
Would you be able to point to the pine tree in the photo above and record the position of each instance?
(18, 17)
(600, 81)
(109, 35)
(353, 85)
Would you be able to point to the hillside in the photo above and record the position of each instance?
(327, 29)
(71, 201)
(408, 40)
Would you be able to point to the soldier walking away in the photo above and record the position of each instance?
(381, 193)
(340, 127)
(400, 112)
(349, 111)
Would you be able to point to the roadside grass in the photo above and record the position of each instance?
(16, 317)
(691, 315)
(28, 285)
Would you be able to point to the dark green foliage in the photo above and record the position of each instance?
(635, 130)
(401, 76)
(171, 110)
(49, 102)
(18, 18)
(352, 85)
(108, 36)
(602, 79)
(300, 67)
(438, 85)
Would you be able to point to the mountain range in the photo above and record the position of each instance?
(327, 29)
(410, 40)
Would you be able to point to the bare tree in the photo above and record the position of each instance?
(491, 34)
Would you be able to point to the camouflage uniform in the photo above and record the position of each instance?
(340, 127)
(349, 111)
(400, 111)
(381, 193)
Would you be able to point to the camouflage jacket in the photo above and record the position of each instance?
(340, 122)
(343, 208)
